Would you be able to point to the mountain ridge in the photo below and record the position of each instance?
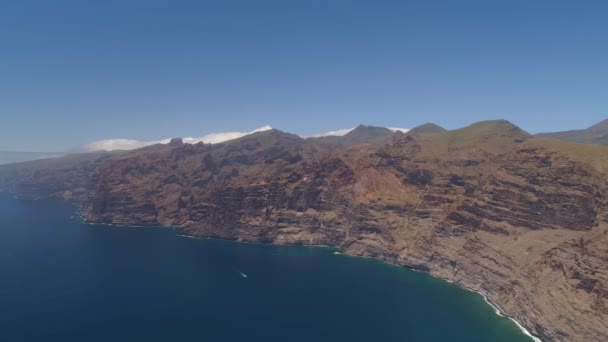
(596, 134)
(522, 219)
(362, 134)
(10, 157)
(426, 128)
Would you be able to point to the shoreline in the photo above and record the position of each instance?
(496, 308)
(501, 314)
(337, 251)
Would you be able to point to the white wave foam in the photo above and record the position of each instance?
(499, 313)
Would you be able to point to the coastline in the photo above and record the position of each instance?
(496, 308)
(501, 314)
(337, 251)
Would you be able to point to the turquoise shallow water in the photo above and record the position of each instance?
(62, 280)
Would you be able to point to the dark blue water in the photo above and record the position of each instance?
(61, 280)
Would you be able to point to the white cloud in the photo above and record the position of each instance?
(337, 133)
(116, 144)
(129, 144)
(212, 138)
(342, 132)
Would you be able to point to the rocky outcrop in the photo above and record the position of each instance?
(520, 219)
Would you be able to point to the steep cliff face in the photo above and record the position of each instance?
(520, 219)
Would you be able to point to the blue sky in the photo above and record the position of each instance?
(72, 72)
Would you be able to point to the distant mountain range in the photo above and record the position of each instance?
(360, 135)
(596, 134)
(7, 157)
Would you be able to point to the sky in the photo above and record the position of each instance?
(76, 72)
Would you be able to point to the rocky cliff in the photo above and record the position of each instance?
(523, 220)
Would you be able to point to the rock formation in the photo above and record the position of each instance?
(523, 220)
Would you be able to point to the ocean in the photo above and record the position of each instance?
(63, 280)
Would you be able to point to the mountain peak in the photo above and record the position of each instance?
(176, 142)
(494, 127)
(427, 128)
(270, 135)
(497, 136)
(600, 127)
(367, 129)
(363, 134)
